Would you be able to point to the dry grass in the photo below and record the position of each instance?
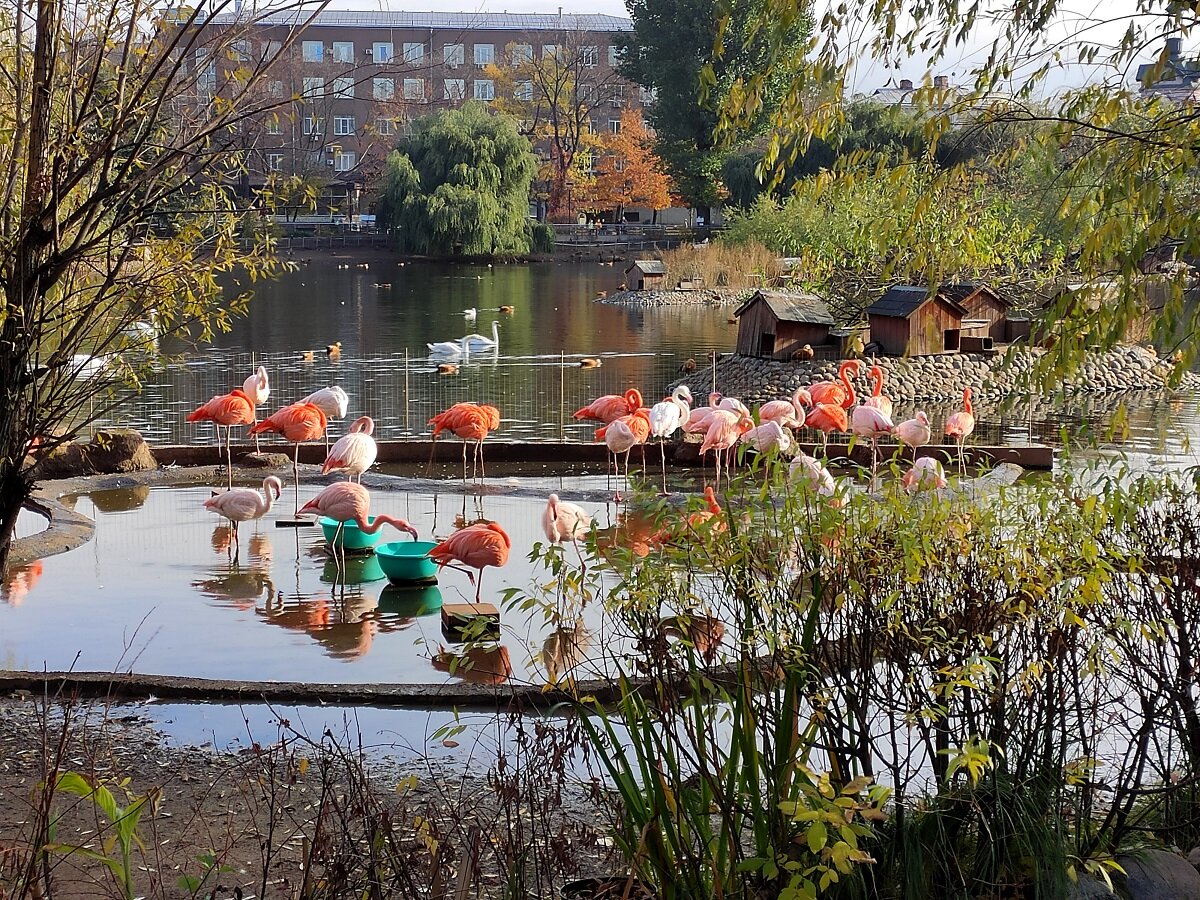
(740, 266)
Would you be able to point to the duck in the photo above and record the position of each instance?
(509, 310)
(689, 366)
(447, 369)
(600, 295)
(482, 342)
(805, 352)
(589, 362)
(307, 355)
(334, 350)
(383, 284)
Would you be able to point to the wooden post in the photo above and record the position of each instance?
(407, 427)
(714, 371)
(562, 392)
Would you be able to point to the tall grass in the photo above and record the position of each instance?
(743, 266)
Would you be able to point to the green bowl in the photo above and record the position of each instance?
(357, 570)
(352, 538)
(407, 561)
(410, 602)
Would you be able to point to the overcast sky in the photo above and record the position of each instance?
(1102, 21)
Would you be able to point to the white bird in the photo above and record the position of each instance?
(84, 365)
(564, 522)
(926, 474)
(461, 347)
(355, 452)
(811, 472)
(767, 436)
(668, 417)
(243, 504)
(480, 342)
(332, 401)
(258, 388)
(140, 335)
(619, 439)
(469, 313)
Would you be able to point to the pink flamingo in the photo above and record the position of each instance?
(297, 423)
(768, 436)
(666, 418)
(830, 392)
(245, 504)
(813, 474)
(724, 430)
(915, 432)
(788, 413)
(333, 401)
(611, 406)
(960, 425)
(234, 408)
(349, 502)
(566, 523)
(869, 422)
(620, 437)
(878, 399)
(476, 546)
(355, 452)
(700, 418)
(926, 474)
(258, 388)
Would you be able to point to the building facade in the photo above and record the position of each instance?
(349, 83)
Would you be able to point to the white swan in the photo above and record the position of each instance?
(86, 366)
(469, 313)
(461, 347)
(480, 342)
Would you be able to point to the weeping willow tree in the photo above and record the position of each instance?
(122, 131)
(460, 186)
(1118, 166)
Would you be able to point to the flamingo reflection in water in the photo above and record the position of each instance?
(345, 628)
(19, 582)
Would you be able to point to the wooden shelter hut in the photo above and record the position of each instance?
(986, 310)
(774, 325)
(908, 321)
(646, 275)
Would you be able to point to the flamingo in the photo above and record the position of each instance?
(712, 510)
(870, 422)
(813, 474)
(482, 342)
(733, 404)
(355, 452)
(471, 422)
(349, 502)
(610, 407)
(960, 425)
(234, 408)
(297, 423)
(476, 547)
(837, 394)
(334, 402)
(788, 413)
(926, 474)
(244, 504)
(623, 434)
(878, 399)
(701, 417)
(827, 418)
(666, 418)
(768, 436)
(566, 523)
(723, 433)
(915, 432)
(258, 388)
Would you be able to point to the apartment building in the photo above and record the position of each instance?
(352, 82)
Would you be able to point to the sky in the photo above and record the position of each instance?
(1103, 21)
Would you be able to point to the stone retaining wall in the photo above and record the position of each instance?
(704, 297)
(940, 377)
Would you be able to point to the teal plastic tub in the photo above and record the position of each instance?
(410, 602)
(407, 561)
(351, 538)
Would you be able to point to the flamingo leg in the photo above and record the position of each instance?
(464, 462)
(663, 450)
(296, 479)
(257, 438)
(229, 454)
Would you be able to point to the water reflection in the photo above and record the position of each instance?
(344, 627)
(410, 602)
(482, 664)
(565, 649)
(117, 500)
(19, 582)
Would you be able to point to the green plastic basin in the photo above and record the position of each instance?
(406, 561)
(411, 602)
(351, 538)
(356, 570)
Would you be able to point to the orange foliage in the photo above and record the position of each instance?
(628, 172)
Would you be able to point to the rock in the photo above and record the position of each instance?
(1089, 887)
(1194, 857)
(264, 460)
(1159, 875)
(108, 453)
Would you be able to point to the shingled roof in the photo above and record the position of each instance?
(902, 300)
(807, 308)
(961, 291)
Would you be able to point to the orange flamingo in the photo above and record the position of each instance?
(349, 502)
(712, 510)
(837, 394)
(471, 422)
(611, 407)
(297, 423)
(723, 433)
(827, 418)
(476, 547)
(960, 425)
(234, 408)
(878, 399)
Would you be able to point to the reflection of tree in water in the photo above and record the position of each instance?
(564, 649)
(19, 581)
(115, 500)
(480, 664)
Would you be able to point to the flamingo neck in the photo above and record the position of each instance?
(379, 521)
(270, 498)
(851, 397)
(967, 402)
(877, 388)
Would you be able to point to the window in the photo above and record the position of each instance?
(313, 88)
(381, 51)
(414, 52)
(270, 49)
(240, 50)
(274, 126)
(275, 89)
(314, 124)
(485, 54)
(414, 88)
(343, 125)
(549, 51)
(206, 72)
(521, 54)
(485, 89)
(313, 51)
(343, 160)
(343, 51)
(274, 162)
(614, 126)
(647, 95)
(456, 89)
(343, 88)
(383, 88)
(587, 57)
(614, 55)
(385, 126)
(454, 54)
(524, 90)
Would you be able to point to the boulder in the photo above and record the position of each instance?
(1089, 887)
(1159, 875)
(109, 452)
(264, 460)
(1194, 857)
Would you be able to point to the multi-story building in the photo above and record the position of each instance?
(351, 82)
(1173, 77)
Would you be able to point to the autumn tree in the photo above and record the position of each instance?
(628, 172)
(120, 129)
(555, 91)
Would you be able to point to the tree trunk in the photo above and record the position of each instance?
(14, 491)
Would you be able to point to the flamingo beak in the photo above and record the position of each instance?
(411, 530)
